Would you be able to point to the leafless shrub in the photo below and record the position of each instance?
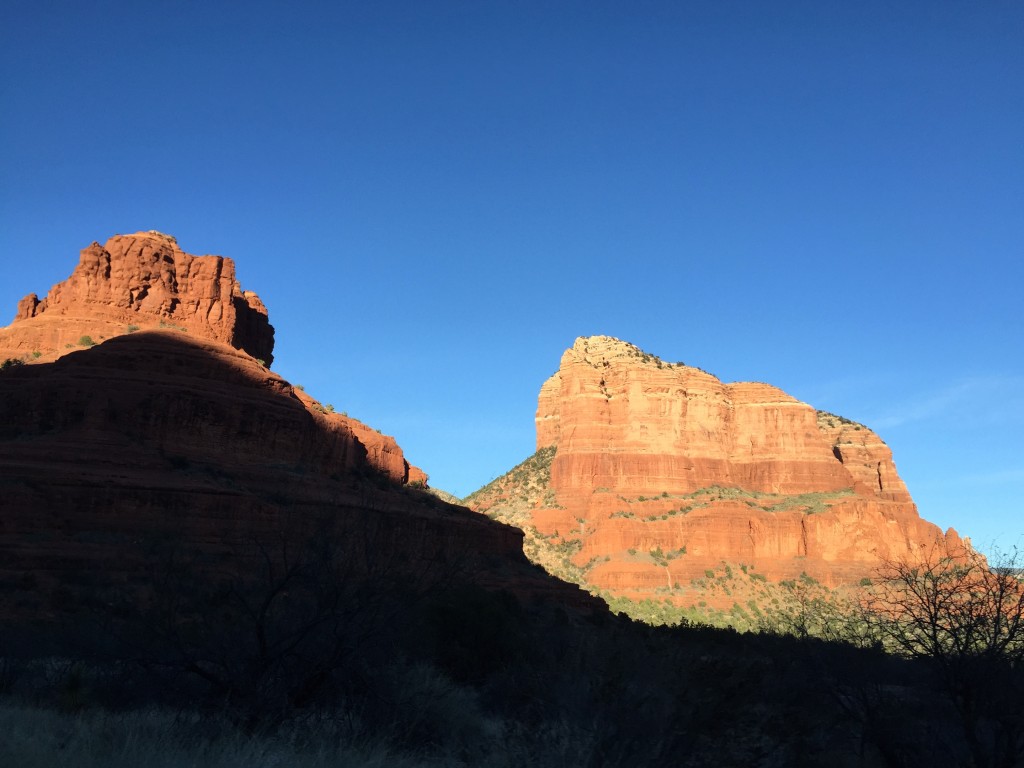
(965, 620)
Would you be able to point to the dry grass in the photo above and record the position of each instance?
(32, 737)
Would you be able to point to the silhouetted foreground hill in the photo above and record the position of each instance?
(179, 528)
(197, 559)
(155, 442)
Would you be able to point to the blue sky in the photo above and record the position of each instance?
(435, 199)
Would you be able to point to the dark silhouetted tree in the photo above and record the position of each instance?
(965, 621)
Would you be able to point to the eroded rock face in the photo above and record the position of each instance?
(141, 281)
(651, 456)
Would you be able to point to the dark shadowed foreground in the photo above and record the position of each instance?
(199, 567)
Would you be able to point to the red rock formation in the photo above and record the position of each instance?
(382, 452)
(145, 281)
(140, 281)
(159, 434)
(656, 456)
(174, 428)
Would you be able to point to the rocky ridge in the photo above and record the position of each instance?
(650, 475)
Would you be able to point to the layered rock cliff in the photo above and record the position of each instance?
(159, 442)
(140, 281)
(655, 472)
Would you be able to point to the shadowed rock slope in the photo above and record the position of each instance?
(650, 474)
(177, 439)
(159, 437)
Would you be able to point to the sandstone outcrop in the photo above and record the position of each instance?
(141, 281)
(174, 434)
(659, 471)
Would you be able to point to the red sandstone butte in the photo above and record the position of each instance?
(653, 455)
(175, 432)
(141, 281)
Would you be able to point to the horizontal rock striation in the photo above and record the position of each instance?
(650, 456)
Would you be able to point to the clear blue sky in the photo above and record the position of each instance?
(435, 198)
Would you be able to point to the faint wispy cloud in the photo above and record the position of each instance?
(926, 407)
(997, 477)
(980, 399)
